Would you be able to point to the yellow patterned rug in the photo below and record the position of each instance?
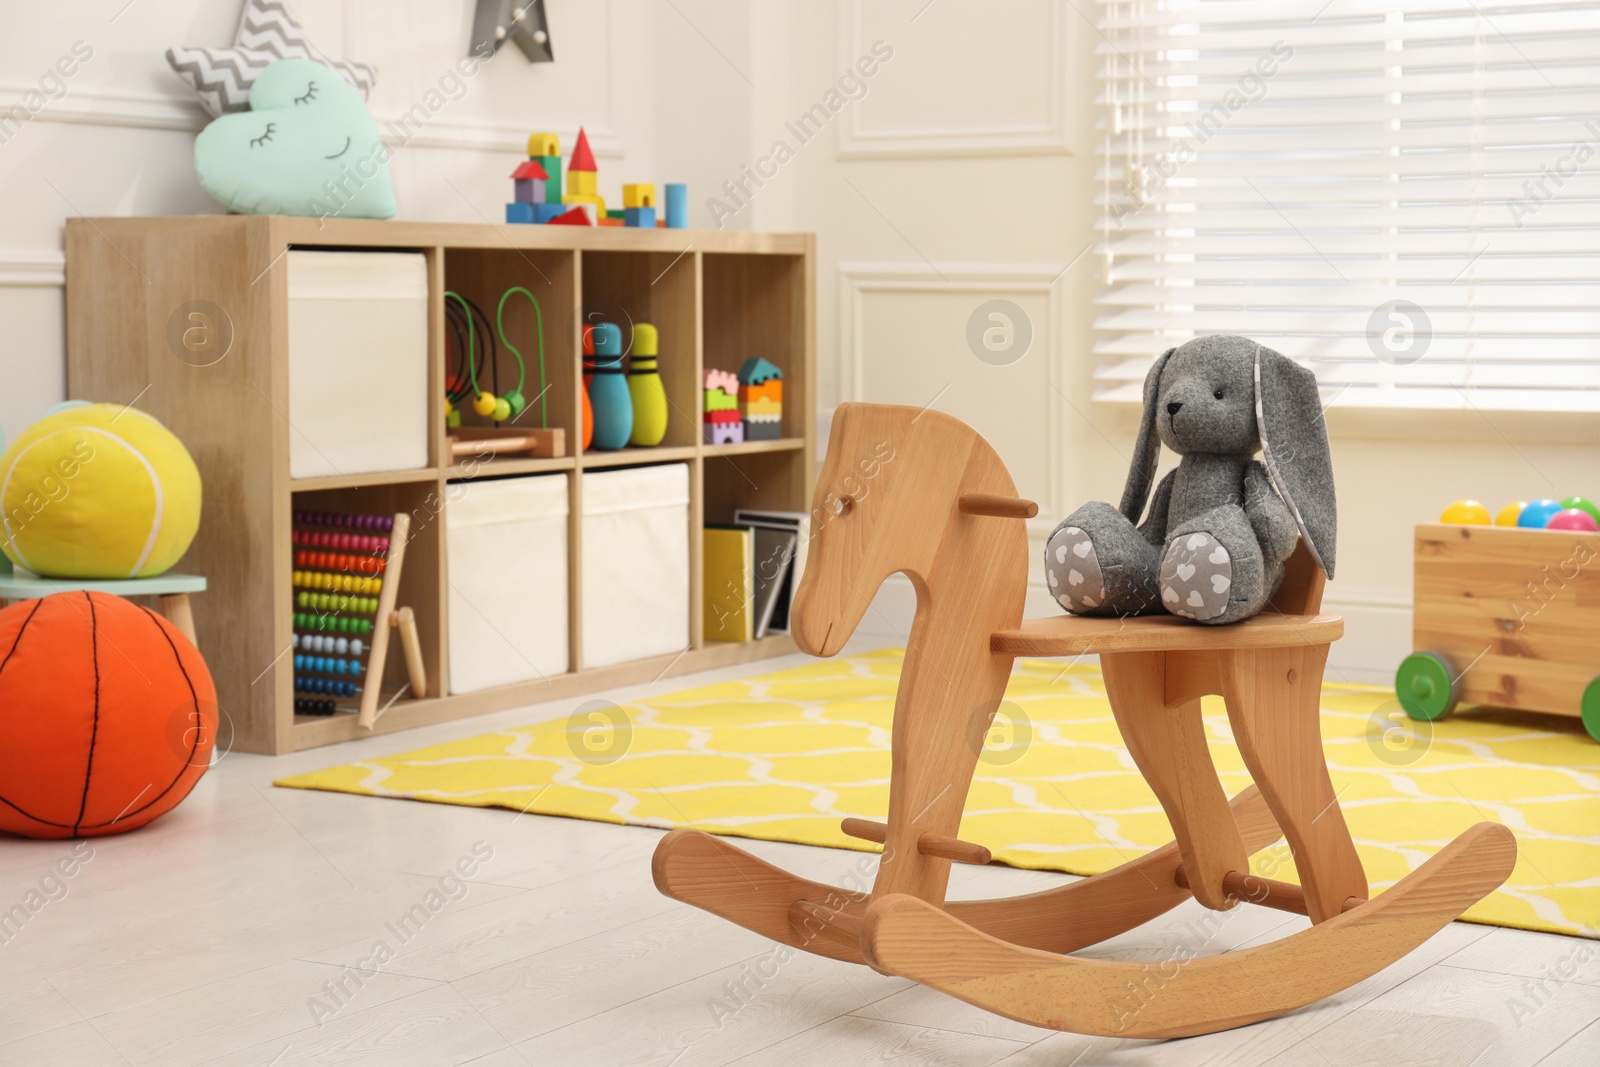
(784, 756)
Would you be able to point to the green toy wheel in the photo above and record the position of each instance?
(1591, 709)
(1426, 686)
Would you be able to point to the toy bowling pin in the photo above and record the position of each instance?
(608, 392)
(644, 385)
(588, 368)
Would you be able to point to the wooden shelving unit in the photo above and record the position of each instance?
(715, 297)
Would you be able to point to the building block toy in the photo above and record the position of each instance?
(677, 206)
(947, 514)
(582, 178)
(644, 217)
(722, 424)
(638, 194)
(761, 400)
(723, 428)
(547, 212)
(545, 150)
(522, 212)
(531, 183)
(574, 215)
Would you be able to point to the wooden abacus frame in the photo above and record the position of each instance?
(387, 618)
(715, 297)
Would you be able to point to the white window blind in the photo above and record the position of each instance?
(1403, 195)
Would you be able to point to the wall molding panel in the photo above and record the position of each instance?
(32, 268)
(154, 111)
(857, 282)
(1055, 136)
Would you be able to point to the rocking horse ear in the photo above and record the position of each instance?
(1147, 449)
(1294, 447)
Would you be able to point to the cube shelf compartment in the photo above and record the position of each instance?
(715, 298)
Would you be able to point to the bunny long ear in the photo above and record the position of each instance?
(1147, 449)
(1294, 447)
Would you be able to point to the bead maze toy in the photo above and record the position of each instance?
(347, 570)
(462, 317)
(1506, 616)
(946, 513)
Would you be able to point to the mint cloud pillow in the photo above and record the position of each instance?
(307, 146)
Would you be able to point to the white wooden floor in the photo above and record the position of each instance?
(230, 931)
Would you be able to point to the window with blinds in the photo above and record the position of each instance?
(1403, 195)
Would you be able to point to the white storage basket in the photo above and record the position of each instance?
(507, 546)
(635, 563)
(358, 362)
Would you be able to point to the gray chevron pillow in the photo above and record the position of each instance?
(267, 32)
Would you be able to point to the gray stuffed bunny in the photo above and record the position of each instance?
(1222, 523)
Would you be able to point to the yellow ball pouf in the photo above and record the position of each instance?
(98, 491)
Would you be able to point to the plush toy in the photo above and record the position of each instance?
(97, 491)
(1213, 544)
(110, 716)
(307, 146)
(222, 77)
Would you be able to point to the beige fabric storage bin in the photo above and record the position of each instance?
(635, 563)
(506, 543)
(358, 362)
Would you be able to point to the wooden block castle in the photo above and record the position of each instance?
(747, 406)
(722, 425)
(761, 400)
(538, 195)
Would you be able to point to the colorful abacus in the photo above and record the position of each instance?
(343, 520)
(338, 585)
(344, 541)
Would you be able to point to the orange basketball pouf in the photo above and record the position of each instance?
(107, 716)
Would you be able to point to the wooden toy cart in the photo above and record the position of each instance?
(945, 512)
(1507, 617)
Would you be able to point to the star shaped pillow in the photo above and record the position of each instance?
(267, 32)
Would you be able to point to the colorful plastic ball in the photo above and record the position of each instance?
(1585, 505)
(502, 410)
(1466, 513)
(484, 404)
(1509, 514)
(1573, 519)
(516, 402)
(1537, 514)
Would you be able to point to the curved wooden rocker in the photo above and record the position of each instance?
(943, 510)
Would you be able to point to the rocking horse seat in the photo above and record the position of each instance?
(1076, 635)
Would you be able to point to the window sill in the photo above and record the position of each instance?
(1432, 418)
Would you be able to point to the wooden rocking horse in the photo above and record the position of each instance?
(945, 512)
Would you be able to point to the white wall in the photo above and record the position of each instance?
(120, 139)
(962, 171)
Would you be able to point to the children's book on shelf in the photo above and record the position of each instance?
(797, 523)
(729, 583)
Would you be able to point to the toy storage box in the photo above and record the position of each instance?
(1506, 617)
(635, 563)
(358, 362)
(506, 547)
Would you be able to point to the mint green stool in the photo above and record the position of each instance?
(172, 589)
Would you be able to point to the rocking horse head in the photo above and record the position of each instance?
(888, 500)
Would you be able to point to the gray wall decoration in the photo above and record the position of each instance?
(522, 21)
